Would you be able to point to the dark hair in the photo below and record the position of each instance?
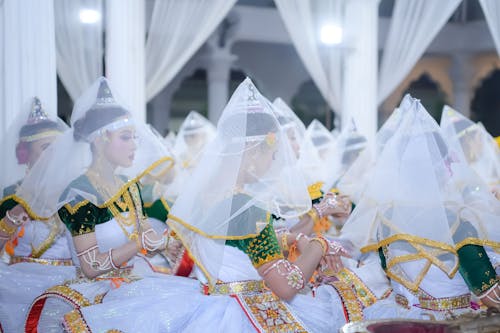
(96, 118)
(248, 124)
(40, 127)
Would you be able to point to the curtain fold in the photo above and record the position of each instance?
(414, 25)
(177, 30)
(28, 60)
(304, 20)
(79, 45)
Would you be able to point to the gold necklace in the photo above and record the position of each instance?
(128, 204)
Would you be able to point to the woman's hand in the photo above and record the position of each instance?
(338, 206)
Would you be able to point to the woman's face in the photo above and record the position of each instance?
(37, 147)
(121, 146)
(258, 160)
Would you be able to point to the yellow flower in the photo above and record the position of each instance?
(271, 139)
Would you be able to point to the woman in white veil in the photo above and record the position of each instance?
(429, 221)
(195, 133)
(38, 251)
(314, 170)
(91, 178)
(224, 219)
(474, 145)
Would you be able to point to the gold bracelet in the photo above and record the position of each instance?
(284, 241)
(322, 242)
(6, 228)
(313, 214)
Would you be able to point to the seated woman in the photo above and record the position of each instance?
(100, 202)
(38, 249)
(431, 221)
(314, 169)
(475, 146)
(224, 219)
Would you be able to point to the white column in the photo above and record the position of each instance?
(125, 49)
(359, 99)
(219, 63)
(28, 58)
(461, 73)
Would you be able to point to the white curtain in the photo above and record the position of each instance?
(359, 96)
(125, 40)
(304, 20)
(491, 9)
(28, 60)
(414, 25)
(177, 30)
(79, 45)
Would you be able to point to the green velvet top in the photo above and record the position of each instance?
(474, 263)
(155, 208)
(8, 202)
(262, 248)
(81, 216)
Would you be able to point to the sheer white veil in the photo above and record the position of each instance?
(421, 203)
(349, 145)
(474, 144)
(53, 181)
(195, 133)
(353, 182)
(29, 126)
(309, 161)
(247, 170)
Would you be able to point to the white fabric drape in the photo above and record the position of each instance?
(414, 25)
(491, 9)
(79, 46)
(304, 20)
(125, 40)
(177, 30)
(359, 101)
(28, 60)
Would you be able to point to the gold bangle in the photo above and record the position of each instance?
(321, 241)
(284, 241)
(313, 214)
(6, 228)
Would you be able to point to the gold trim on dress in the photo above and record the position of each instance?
(73, 322)
(363, 292)
(49, 241)
(50, 262)
(268, 313)
(445, 303)
(25, 205)
(235, 287)
(349, 300)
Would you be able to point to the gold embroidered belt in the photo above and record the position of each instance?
(437, 304)
(445, 303)
(51, 262)
(234, 288)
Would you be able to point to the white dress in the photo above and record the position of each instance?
(433, 300)
(47, 311)
(27, 277)
(176, 304)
